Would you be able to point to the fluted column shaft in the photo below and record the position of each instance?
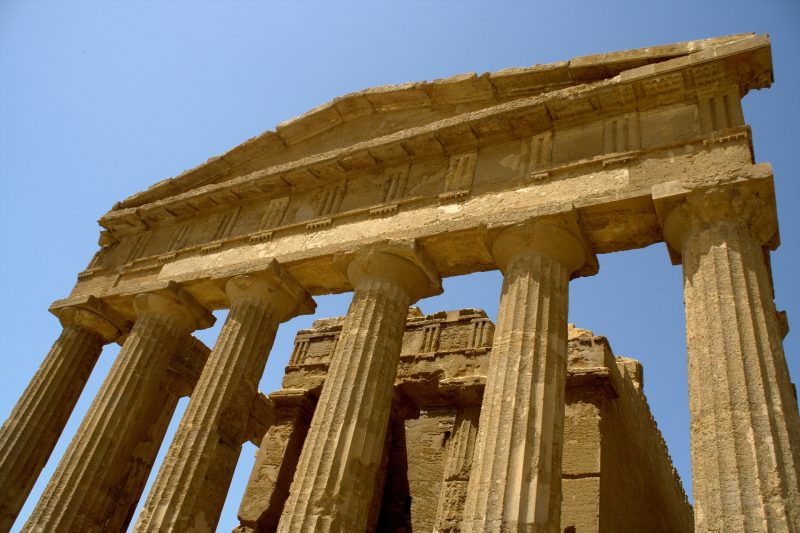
(83, 494)
(515, 483)
(29, 435)
(745, 428)
(336, 474)
(193, 481)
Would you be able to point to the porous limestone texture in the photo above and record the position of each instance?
(745, 429)
(336, 473)
(29, 435)
(132, 408)
(276, 460)
(617, 473)
(191, 486)
(615, 458)
(383, 193)
(516, 481)
(457, 467)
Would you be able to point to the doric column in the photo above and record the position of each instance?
(745, 430)
(29, 435)
(333, 486)
(276, 461)
(180, 379)
(87, 488)
(193, 481)
(515, 483)
(466, 394)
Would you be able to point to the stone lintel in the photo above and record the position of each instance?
(597, 378)
(262, 416)
(747, 194)
(464, 390)
(287, 401)
(622, 218)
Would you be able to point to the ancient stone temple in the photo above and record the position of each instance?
(389, 420)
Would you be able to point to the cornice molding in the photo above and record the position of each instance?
(489, 89)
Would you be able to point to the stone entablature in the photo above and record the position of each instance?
(597, 147)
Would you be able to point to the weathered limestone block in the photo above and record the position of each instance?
(466, 394)
(276, 461)
(88, 490)
(745, 427)
(461, 447)
(193, 481)
(581, 503)
(260, 419)
(515, 483)
(617, 474)
(180, 379)
(29, 435)
(336, 473)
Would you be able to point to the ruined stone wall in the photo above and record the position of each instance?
(639, 466)
(580, 504)
(426, 443)
(617, 474)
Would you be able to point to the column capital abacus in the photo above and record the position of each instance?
(275, 287)
(94, 315)
(558, 236)
(746, 197)
(400, 262)
(176, 303)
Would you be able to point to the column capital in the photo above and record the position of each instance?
(746, 197)
(558, 236)
(174, 302)
(275, 287)
(93, 314)
(400, 262)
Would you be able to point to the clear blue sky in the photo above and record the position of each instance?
(98, 101)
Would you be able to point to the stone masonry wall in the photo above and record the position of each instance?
(617, 473)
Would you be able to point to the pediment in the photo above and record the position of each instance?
(381, 112)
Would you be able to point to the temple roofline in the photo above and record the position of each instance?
(479, 91)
